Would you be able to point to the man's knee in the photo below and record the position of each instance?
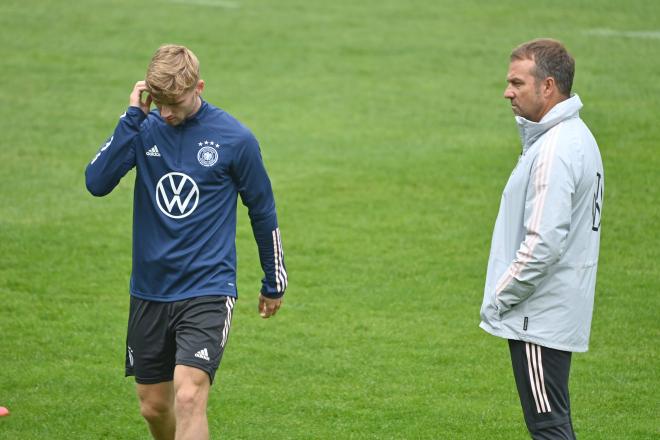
(156, 401)
(191, 397)
(191, 389)
(155, 411)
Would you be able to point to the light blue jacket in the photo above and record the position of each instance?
(544, 252)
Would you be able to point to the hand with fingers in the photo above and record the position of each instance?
(268, 306)
(135, 99)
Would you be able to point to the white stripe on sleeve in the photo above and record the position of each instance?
(277, 261)
(282, 269)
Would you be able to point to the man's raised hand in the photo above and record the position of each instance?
(135, 99)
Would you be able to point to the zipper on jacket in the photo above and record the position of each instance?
(179, 148)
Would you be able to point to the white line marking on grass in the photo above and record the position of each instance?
(214, 3)
(655, 35)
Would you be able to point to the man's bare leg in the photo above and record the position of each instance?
(157, 408)
(191, 391)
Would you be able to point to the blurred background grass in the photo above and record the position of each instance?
(383, 128)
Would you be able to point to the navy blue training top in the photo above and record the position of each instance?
(184, 206)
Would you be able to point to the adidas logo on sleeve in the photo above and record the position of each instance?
(153, 151)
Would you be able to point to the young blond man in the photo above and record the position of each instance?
(192, 161)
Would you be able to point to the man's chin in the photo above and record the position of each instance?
(516, 112)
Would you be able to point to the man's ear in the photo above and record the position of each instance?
(549, 86)
(200, 87)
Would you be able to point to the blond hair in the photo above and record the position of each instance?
(173, 71)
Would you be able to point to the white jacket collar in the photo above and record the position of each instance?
(530, 131)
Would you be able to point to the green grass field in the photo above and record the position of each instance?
(388, 142)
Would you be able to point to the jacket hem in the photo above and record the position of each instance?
(496, 331)
(527, 338)
(182, 296)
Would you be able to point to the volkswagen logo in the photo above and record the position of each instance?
(175, 193)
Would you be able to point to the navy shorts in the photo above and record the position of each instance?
(161, 335)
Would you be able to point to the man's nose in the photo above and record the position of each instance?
(508, 93)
